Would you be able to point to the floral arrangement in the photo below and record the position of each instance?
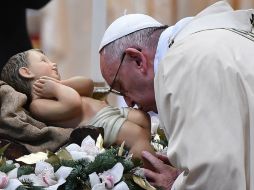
(85, 167)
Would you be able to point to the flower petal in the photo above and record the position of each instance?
(117, 172)
(73, 147)
(54, 187)
(4, 179)
(13, 174)
(121, 186)
(13, 184)
(88, 146)
(42, 167)
(63, 172)
(100, 186)
(88, 141)
(94, 179)
(81, 155)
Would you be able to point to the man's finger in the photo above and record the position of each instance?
(153, 184)
(155, 162)
(150, 175)
(163, 158)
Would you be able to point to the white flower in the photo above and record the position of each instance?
(3, 180)
(155, 123)
(88, 150)
(6, 181)
(108, 179)
(44, 175)
(157, 146)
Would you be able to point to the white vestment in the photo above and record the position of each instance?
(204, 90)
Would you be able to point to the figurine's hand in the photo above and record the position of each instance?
(164, 174)
(45, 87)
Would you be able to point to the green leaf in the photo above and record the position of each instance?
(3, 149)
(7, 167)
(25, 170)
(63, 154)
(53, 159)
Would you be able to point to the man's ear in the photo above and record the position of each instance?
(139, 58)
(26, 73)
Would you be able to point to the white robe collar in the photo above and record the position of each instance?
(219, 15)
(164, 40)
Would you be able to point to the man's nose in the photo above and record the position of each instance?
(128, 101)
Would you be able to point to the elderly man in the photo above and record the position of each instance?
(199, 76)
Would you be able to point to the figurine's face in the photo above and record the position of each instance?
(40, 65)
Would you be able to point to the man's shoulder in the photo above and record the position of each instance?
(203, 49)
(207, 43)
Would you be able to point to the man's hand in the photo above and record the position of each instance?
(164, 175)
(45, 87)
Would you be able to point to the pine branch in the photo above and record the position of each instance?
(25, 170)
(7, 167)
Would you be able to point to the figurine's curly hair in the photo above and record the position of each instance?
(10, 73)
